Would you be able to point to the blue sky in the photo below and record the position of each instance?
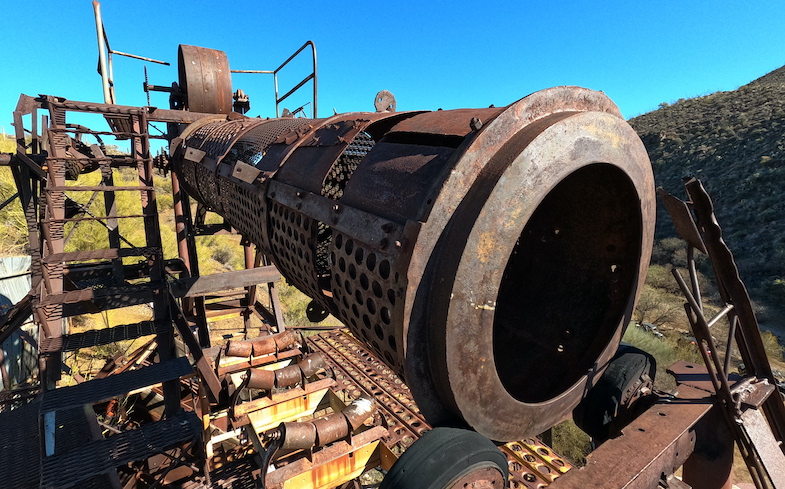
(429, 54)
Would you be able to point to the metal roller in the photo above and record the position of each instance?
(491, 256)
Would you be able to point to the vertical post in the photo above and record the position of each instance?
(181, 224)
(315, 82)
(140, 147)
(186, 249)
(275, 302)
(251, 261)
(182, 233)
(102, 64)
(55, 239)
(4, 371)
(112, 224)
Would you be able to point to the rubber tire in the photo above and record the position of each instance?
(595, 414)
(440, 457)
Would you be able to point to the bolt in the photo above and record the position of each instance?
(336, 208)
(475, 124)
(300, 195)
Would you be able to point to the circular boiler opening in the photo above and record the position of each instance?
(567, 283)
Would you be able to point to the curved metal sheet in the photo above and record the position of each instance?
(205, 77)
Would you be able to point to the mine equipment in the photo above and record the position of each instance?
(472, 250)
(486, 263)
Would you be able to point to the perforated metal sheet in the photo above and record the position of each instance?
(293, 238)
(244, 208)
(73, 466)
(99, 337)
(368, 291)
(342, 170)
(100, 389)
(252, 145)
(19, 449)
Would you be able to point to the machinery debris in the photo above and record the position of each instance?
(485, 264)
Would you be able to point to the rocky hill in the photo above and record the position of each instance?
(735, 143)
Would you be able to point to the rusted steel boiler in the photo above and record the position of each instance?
(492, 256)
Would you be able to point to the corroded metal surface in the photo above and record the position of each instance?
(359, 373)
(532, 464)
(492, 257)
(205, 78)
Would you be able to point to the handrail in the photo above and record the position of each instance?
(305, 80)
(313, 76)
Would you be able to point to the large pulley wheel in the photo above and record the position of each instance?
(449, 458)
(205, 77)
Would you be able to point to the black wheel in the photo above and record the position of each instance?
(449, 457)
(619, 396)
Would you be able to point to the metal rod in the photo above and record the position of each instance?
(313, 76)
(734, 320)
(696, 291)
(99, 29)
(9, 200)
(266, 72)
(303, 82)
(315, 82)
(134, 56)
(702, 335)
(720, 315)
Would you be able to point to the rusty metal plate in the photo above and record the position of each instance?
(682, 220)
(657, 442)
(205, 77)
(457, 123)
(194, 155)
(766, 446)
(245, 172)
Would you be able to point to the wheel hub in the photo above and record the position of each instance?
(484, 478)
